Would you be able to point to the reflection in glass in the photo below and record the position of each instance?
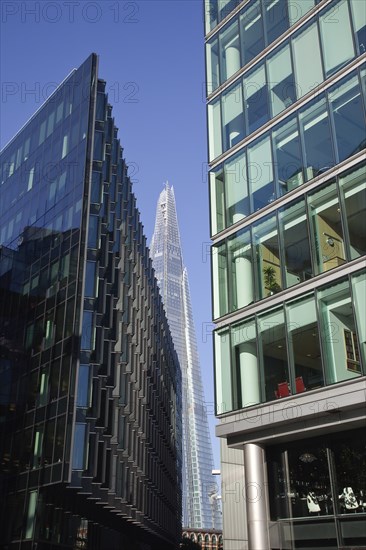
(315, 126)
(349, 117)
(274, 354)
(251, 24)
(214, 128)
(353, 190)
(236, 186)
(240, 264)
(260, 172)
(78, 455)
(276, 19)
(245, 371)
(295, 238)
(335, 28)
(325, 217)
(288, 161)
(340, 343)
(265, 240)
(217, 200)
(304, 344)
(359, 301)
(83, 394)
(306, 46)
(212, 56)
(232, 116)
(256, 97)
(359, 24)
(223, 382)
(281, 79)
(219, 275)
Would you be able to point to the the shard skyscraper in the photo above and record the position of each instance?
(200, 506)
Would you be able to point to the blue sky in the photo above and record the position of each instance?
(151, 55)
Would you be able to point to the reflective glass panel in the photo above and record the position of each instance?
(353, 191)
(217, 200)
(314, 122)
(306, 46)
(260, 173)
(265, 239)
(359, 301)
(298, 8)
(327, 232)
(251, 24)
(78, 456)
(240, 263)
(229, 51)
(358, 10)
(232, 116)
(256, 98)
(276, 18)
(220, 284)
(245, 371)
(296, 247)
(340, 342)
(288, 159)
(211, 15)
(213, 76)
(304, 345)
(223, 382)
(349, 117)
(336, 34)
(83, 386)
(281, 79)
(272, 337)
(236, 188)
(214, 128)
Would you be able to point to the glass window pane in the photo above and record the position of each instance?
(245, 368)
(251, 25)
(265, 239)
(306, 46)
(359, 301)
(274, 354)
(31, 515)
(358, 10)
(78, 455)
(219, 275)
(295, 238)
(211, 14)
(240, 264)
(340, 342)
(83, 386)
(288, 162)
(256, 98)
(214, 128)
(327, 232)
(229, 51)
(281, 79)
(349, 117)
(232, 116)
(353, 190)
(236, 188)
(90, 274)
(93, 231)
(336, 34)
(87, 331)
(260, 172)
(298, 8)
(276, 18)
(223, 381)
(212, 51)
(315, 128)
(304, 345)
(217, 200)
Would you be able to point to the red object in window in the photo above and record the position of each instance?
(299, 384)
(282, 390)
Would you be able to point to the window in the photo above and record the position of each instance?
(31, 515)
(211, 15)
(336, 34)
(229, 51)
(240, 265)
(304, 344)
(217, 200)
(87, 335)
(233, 117)
(256, 97)
(306, 46)
(83, 394)
(295, 238)
(298, 8)
(281, 79)
(265, 240)
(359, 301)
(349, 117)
(223, 382)
(353, 191)
(276, 18)
(236, 186)
(90, 279)
(260, 172)
(213, 76)
(359, 22)
(251, 24)
(78, 457)
(327, 232)
(341, 346)
(214, 128)
(220, 286)
(245, 366)
(287, 152)
(315, 126)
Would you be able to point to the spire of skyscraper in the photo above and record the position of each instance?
(199, 511)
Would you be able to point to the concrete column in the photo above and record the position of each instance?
(244, 281)
(256, 497)
(249, 374)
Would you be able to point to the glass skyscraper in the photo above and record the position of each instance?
(90, 384)
(286, 83)
(200, 506)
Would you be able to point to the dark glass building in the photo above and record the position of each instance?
(90, 385)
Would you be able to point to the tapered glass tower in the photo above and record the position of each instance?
(199, 504)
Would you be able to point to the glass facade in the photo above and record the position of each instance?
(287, 178)
(79, 363)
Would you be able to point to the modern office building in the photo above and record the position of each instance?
(286, 84)
(90, 385)
(200, 506)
